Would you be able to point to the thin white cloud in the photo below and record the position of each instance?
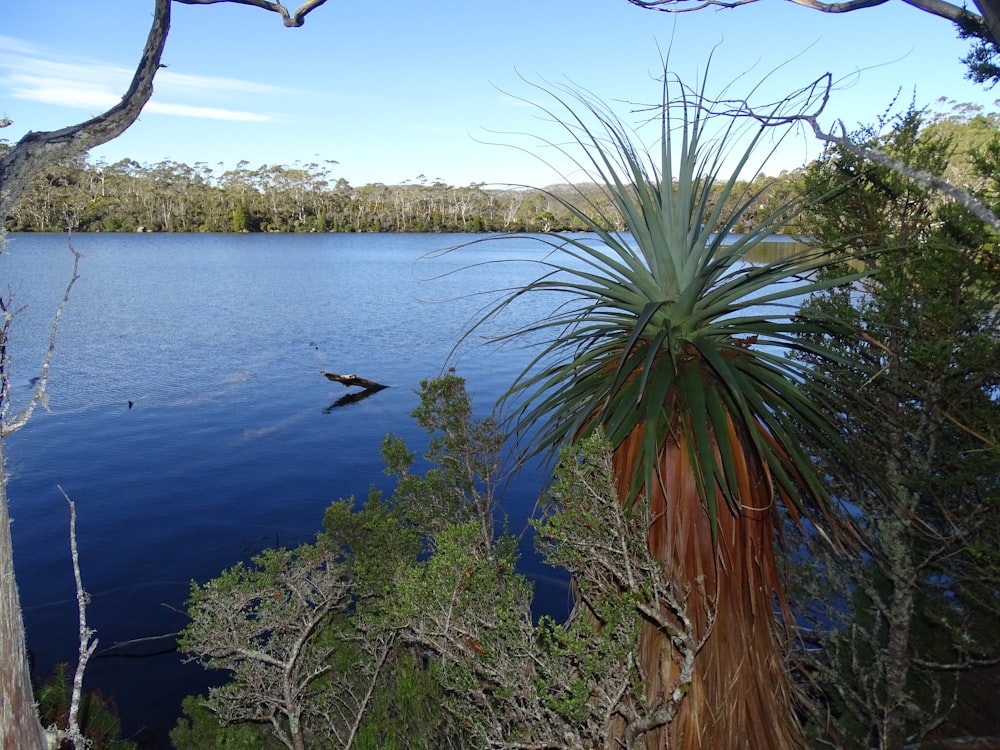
(185, 83)
(62, 93)
(30, 73)
(16, 46)
(206, 113)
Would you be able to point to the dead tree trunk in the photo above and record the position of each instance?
(19, 725)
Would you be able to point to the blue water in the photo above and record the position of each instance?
(218, 341)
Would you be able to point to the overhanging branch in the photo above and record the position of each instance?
(988, 23)
(292, 20)
(819, 92)
(37, 150)
(962, 197)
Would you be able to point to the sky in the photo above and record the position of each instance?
(397, 92)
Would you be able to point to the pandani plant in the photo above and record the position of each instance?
(668, 339)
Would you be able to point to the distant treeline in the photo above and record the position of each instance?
(173, 197)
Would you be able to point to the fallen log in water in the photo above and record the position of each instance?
(351, 380)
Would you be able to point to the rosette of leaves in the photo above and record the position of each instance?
(670, 341)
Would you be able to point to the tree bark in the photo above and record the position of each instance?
(989, 10)
(19, 725)
(37, 150)
(289, 19)
(738, 691)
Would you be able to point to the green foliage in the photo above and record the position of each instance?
(241, 218)
(171, 196)
(586, 532)
(464, 455)
(927, 496)
(514, 682)
(431, 622)
(666, 330)
(318, 623)
(982, 60)
(407, 711)
(98, 716)
(373, 544)
(200, 729)
(261, 622)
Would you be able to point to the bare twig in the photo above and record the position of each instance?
(819, 92)
(87, 642)
(964, 665)
(384, 651)
(40, 394)
(118, 645)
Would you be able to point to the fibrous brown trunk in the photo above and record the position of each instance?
(740, 693)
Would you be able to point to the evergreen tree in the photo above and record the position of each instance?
(898, 624)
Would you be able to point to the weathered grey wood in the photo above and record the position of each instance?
(19, 724)
(351, 380)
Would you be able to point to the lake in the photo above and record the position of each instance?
(229, 445)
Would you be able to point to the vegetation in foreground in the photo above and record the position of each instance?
(406, 624)
(423, 615)
(921, 401)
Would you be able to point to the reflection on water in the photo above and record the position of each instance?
(770, 251)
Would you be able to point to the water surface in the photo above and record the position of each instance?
(229, 444)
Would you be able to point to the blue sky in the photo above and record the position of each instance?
(392, 90)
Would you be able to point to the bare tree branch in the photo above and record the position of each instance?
(988, 21)
(87, 642)
(384, 649)
(292, 20)
(819, 92)
(959, 666)
(40, 394)
(37, 150)
(962, 197)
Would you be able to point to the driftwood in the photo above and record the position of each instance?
(369, 386)
(351, 380)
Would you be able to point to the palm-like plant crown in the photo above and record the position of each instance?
(669, 327)
(672, 342)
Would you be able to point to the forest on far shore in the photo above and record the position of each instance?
(174, 197)
(170, 196)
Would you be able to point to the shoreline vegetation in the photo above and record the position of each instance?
(173, 197)
(169, 196)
